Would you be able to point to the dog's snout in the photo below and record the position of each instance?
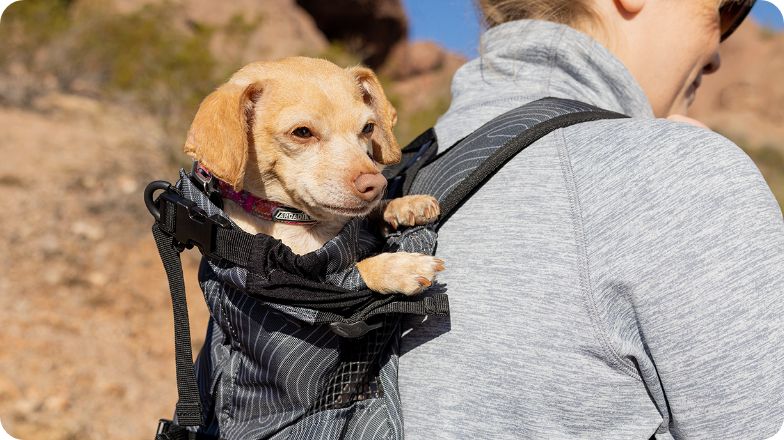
(369, 186)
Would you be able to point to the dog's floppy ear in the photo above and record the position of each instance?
(385, 147)
(220, 136)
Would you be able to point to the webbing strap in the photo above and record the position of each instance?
(234, 245)
(189, 412)
(481, 174)
(433, 304)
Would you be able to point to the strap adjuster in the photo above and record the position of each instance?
(163, 426)
(353, 330)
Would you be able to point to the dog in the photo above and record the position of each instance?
(306, 134)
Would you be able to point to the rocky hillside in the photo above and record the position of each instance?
(744, 100)
(95, 99)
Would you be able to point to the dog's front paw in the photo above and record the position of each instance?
(411, 211)
(400, 272)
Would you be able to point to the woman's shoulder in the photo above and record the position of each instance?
(659, 183)
(659, 157)
(654, 141)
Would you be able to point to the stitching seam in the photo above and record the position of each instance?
(585, 275)
(553, 56)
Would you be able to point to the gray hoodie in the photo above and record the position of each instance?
(617, 279)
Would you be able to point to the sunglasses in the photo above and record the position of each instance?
(732, 14)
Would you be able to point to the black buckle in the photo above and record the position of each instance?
(163, 426)
(168, 430)
(192, 225)
(353, 330)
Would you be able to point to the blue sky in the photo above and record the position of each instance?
(454, 23)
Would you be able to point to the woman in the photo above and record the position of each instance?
(624, 278)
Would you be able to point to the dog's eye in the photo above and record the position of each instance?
(368, 128)
(302, 132)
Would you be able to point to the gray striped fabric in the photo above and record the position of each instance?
(265, 372)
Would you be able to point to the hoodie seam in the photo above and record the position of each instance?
(584, 273)
(553, 56)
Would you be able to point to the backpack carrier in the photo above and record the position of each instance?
(297, 347)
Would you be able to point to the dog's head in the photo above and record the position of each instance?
(300, 131)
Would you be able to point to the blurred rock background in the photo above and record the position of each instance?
(95, 100)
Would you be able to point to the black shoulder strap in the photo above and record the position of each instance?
(482, 173)
(416, 154)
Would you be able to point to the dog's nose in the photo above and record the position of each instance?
(369, 186)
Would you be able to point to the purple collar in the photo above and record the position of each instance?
(256, 206)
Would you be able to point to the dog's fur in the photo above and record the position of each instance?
(249, 133)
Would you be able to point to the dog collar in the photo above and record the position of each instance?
(253, 205)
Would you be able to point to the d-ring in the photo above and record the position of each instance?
(149, 192)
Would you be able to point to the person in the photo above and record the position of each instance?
(618, 279)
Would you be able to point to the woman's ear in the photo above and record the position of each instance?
(220, 135)
(385, 147)
(631, 6)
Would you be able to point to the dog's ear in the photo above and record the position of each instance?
(220, 135)
(385, 147)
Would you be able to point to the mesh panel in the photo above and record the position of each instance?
(356, 377)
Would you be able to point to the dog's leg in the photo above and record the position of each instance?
(411, 210)
(399, 272)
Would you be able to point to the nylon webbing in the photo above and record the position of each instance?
(468, 186)
(233, 245)
(434, 304)
(188, 410)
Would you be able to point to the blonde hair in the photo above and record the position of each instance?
(569, 12)
(575, 13)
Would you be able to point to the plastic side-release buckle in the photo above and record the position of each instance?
(353, 330)
(168, 430)
(163, 426)
(192, 225)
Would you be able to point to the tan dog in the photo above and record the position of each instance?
(310, 135)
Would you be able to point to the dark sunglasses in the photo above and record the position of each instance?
(732, 15)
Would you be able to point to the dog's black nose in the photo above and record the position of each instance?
(369, 186)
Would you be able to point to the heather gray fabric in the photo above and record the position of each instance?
(617, 279)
